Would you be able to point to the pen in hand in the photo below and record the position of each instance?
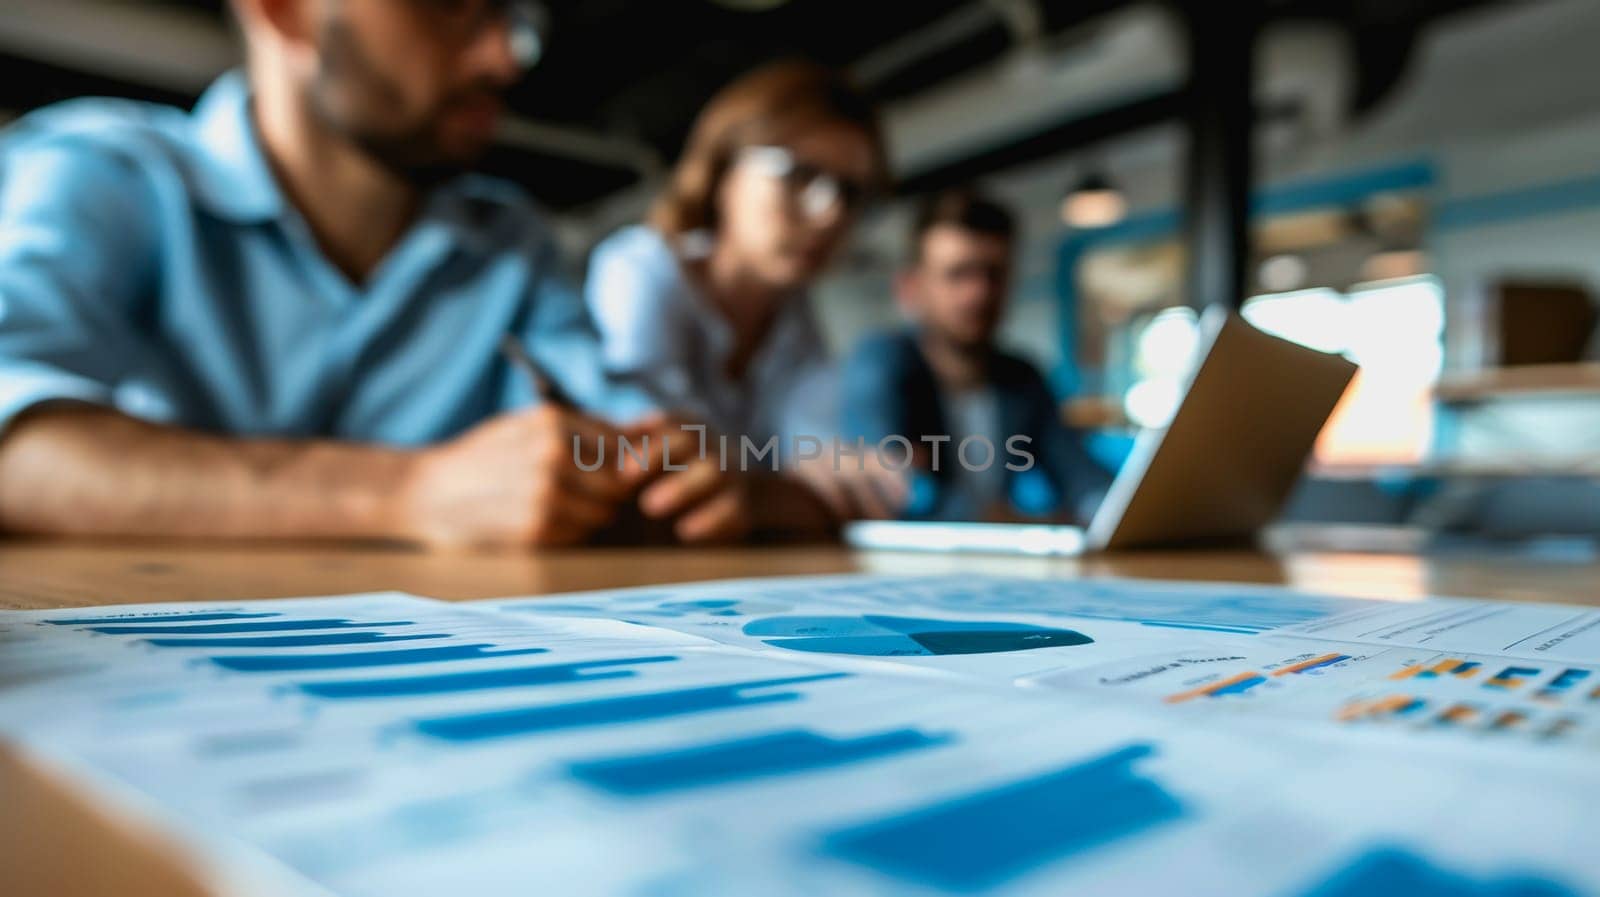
(544, 386)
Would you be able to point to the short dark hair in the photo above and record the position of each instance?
(963, 208)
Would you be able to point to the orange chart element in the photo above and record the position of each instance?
(1509, 719)
(1450, 666)
(1313, 663)
(1459, 715)
(1231, 685)
(1392, 705)
(1511, 678)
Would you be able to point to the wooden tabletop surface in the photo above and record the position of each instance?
(46, 574)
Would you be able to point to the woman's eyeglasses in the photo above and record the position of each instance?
(815, 190)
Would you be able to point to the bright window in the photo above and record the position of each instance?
(1393, 329)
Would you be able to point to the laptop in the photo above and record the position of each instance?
(1218, 473)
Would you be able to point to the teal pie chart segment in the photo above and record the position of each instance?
(874, 635)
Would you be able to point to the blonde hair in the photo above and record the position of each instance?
(769, 106)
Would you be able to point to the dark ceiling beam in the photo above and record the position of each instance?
(1219, 119)
(1051, 140)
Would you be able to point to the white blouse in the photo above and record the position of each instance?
(660, 333)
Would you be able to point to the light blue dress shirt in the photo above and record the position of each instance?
(149, 262)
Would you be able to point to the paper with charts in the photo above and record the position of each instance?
(848, 735)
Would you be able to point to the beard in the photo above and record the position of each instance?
(353, 98)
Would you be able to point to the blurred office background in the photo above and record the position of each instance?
(1425, 193)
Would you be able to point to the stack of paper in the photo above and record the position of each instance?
(838, 736)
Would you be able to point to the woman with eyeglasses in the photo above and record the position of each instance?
(705, 305)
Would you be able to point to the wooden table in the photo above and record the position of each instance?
(65, 574)
(46, 825)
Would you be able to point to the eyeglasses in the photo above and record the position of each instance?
(816, 190)
(464, 20)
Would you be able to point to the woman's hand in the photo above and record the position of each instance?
(708, 502)
(856, 486)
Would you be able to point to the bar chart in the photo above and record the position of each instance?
(1316, 663)
(1233, 685)
(1511, 678)
(1562, 686)
(526, 721)
(1450, 666)
(774, 754)
(484, 680)
(979, 840)
(380, 746)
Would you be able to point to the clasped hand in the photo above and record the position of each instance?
(525, 479)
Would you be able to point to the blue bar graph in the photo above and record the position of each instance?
(1410, 707)
(480, 680)
(302, 663)
(1568, 678)
(1395, 872)
(226, 628)
(609, 711)
(1561, 685)
(290, 641)
(777, 754)
(980, 840)
(160, 618)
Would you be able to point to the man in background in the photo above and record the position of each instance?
(943, 382)
(283, 315)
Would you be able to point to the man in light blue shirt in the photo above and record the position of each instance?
(280, 316)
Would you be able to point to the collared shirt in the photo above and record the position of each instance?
(150, 263)
(662, 334)
(979, 478)
(890, 389)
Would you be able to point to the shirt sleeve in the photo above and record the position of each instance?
(645, 333)
(76, 252)
(561, 337)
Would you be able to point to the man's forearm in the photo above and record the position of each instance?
(90, 472)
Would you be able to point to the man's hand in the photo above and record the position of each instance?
(515, 481)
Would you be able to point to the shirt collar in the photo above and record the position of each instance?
(471, 208)
(234, 178)
(237, 183)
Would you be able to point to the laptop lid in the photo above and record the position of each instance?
(1224, 466)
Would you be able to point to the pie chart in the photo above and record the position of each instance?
(873, 635)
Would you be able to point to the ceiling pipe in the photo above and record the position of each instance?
(170, 49)
(1024, 19)
(953, 28)
(577, 143)
(1113, 61)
